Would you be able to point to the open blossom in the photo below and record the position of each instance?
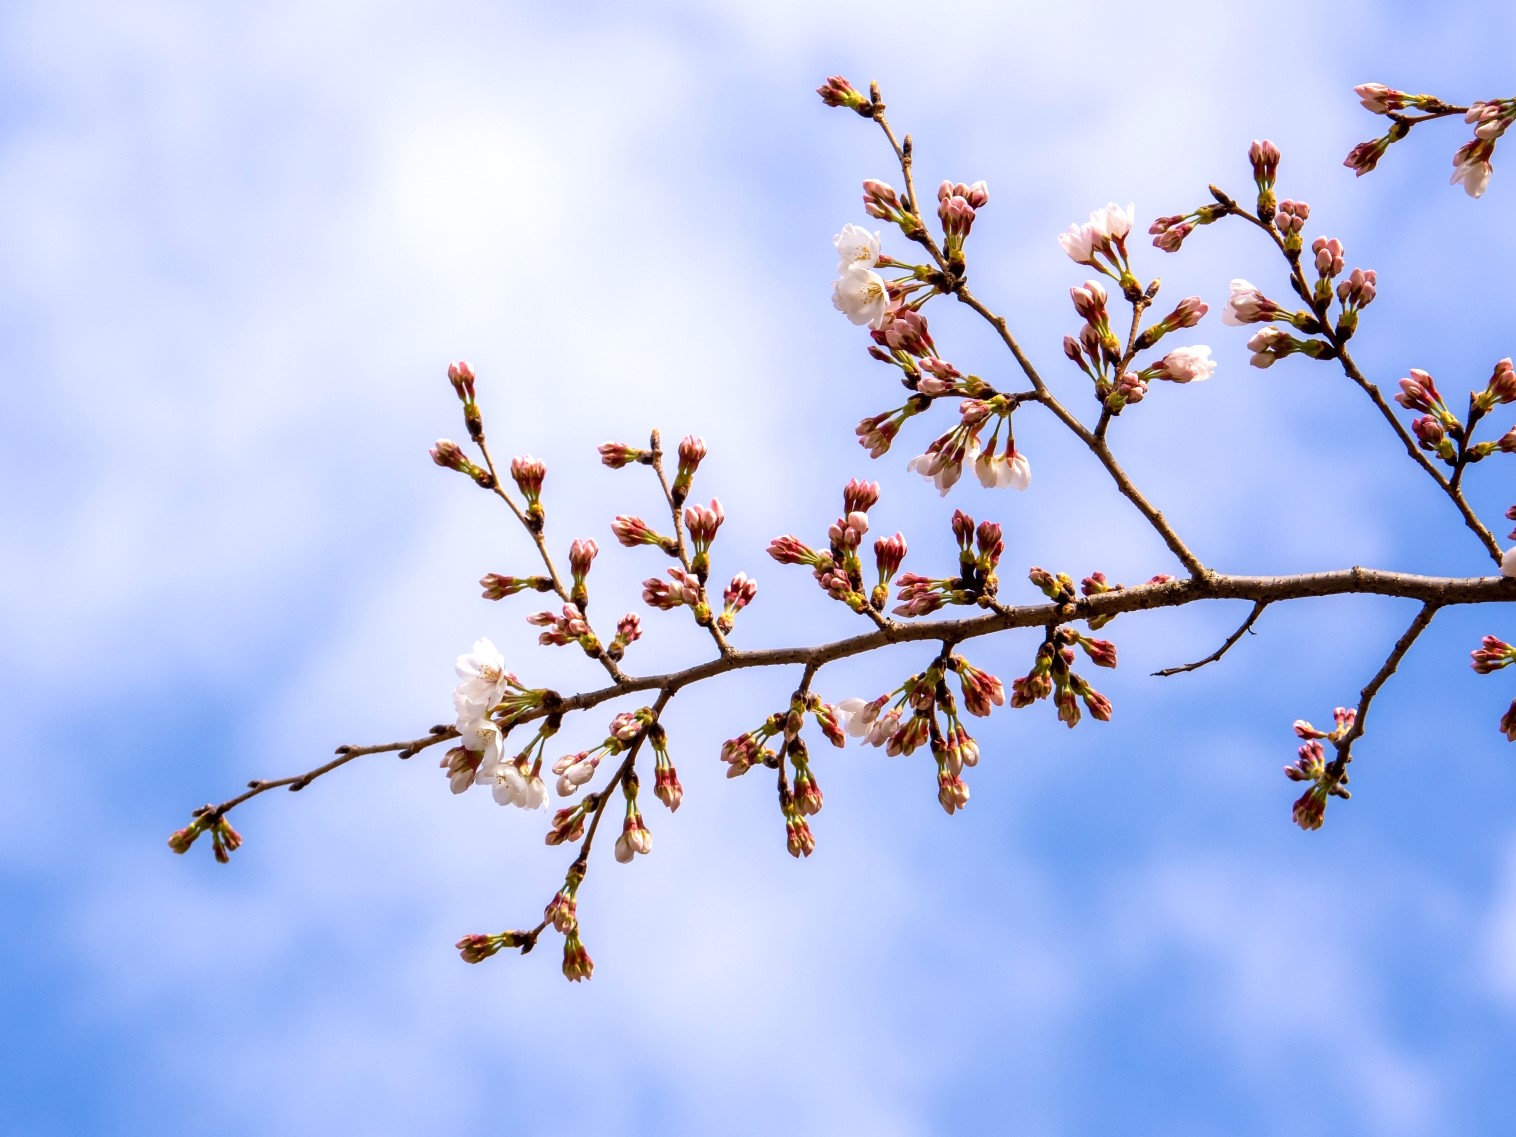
(943, 467)
(1113, 223)
(1187, 364)
(860, 294)
(1001, 470)
(856, 246)
(1247, 305)
(512, 785)
(484, 680)
(1106, 227)
(1078, 242)
(1471, 167)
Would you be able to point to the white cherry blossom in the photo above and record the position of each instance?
(1078, 242)
(1112, 222)
(513, 786)
(1508, 562)
(484, 680)
(856, 246)
(861, 295)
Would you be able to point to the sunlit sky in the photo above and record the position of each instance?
(240, 245)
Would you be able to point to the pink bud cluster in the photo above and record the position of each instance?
(497, 587)
(568, 627)
(933, 721)
(450, 456)
(979, 550)
(1052, 671)
(956, 206)
(1492, 655)
(838, 569)
(838, 92)
(1326, 780)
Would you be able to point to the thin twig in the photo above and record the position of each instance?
(1247, 627)
(1337, 769)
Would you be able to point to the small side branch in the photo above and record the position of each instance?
(1246, 628)
(1337, 770)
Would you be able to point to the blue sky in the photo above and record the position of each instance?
(241, 245)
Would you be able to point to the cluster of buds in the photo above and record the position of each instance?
(635, 836)
(450, 456)
(956, 206)
(628, 632)
(1494, 654)
(681, 588)
(497, 587)
(461, 376)
(666, 787)
(736, 596)
(905, 341)
(751, 748)
(1471, 161)
(619, 454)
(1439, 431)
(224, 839)
(702, 522)
(1169, 232)
(838, 569)
(1096, 583)
(633, 531)
(838, 92)
(1326, 779)
(691, 454)
(1289, 221)
(877, 432)
(568, 627)
(979, 550)
(1100, 243)
(478, 947)
(1052, 672)
(882, 202)
(562, 911)
(1264, 157)
(933, 721)
(527, 472)
(1379, 99)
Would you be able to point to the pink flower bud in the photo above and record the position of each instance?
(618, 454)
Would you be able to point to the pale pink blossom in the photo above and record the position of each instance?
(1246, 305)
(860, 294)
(1508, 562)
(1187, 364)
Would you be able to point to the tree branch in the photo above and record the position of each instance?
(1247, 626)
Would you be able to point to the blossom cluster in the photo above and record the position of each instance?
(486, 689)
(1471, 161)
(922, 712)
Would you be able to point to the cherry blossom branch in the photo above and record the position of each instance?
(1330, 779)
(1338, 349)
(1434, 592)
(1245, 628)
(1097, 446)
